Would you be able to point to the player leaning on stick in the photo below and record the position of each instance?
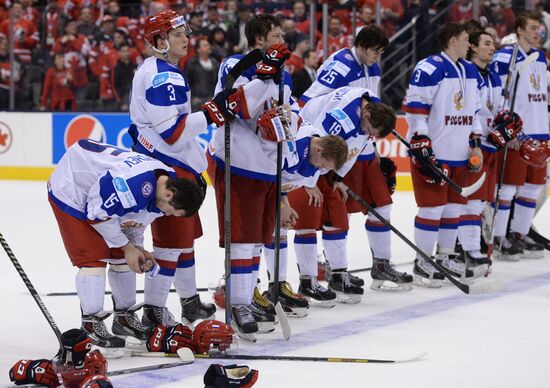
(164, 128)
(441, 109)
(253, 172)
(520, 179)
(103, 197)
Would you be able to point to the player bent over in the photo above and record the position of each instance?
(103, 197)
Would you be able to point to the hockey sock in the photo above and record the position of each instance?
(469, 225)
(501, 220)
(256, 255)
(90, 286)
(123, 284)
(379, 235)
(269, 253)
(526, 203)
(305, 247)
(448, 227)
(184, 279)
(426, 228)
(158, 287)
(334, 243)
(242, 280)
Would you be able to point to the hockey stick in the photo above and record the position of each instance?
(281, 315)
(539, 238)
(522, 66)
(464, 191)
(225, 356)
(489, 286)
(73, 293)
(33, 292)
(247, 61)
(185, 355)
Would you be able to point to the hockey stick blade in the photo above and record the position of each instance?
(73, 293)
(283, 321)
(484, 287)
(469, 190)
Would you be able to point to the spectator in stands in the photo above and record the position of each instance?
(113, 9)
(291, 34)
(218, 43)
(391, 14)
(57, 91)
(366, 18)
(213, 19)
(302, 79)
(6, 77)
(107, 29)
(48, 25)
(235, 33)
(30, 12)
(461, 11)
(336, 38)
(86, 25)
(296, 60)
(300, 16)
(229, 14)
(25, 34)
(500, 18)
(202, 74)
(123, 74)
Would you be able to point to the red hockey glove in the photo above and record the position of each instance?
(224, 106)
(389, 169)
(169, 339)
(423, 154)
(506, 127)
(222, 376)
(273, 61)
(96, 381)
(38, 372)
(270, 125)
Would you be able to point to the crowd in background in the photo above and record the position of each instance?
(81, 54)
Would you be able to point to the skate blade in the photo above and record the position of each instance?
(486, 287)
(133, 343)
(386, 285)
(250, 337)
(110, 353)
(296, 312)
(265, 327)
(467, 281)
(512, 258)
(347, 298)
(421, 281)
(532, 255)
(323, 304)
(479, 270)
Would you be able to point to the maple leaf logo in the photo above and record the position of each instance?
(3, 138)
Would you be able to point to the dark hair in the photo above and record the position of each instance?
(213, 32)
(306, 53)
(372, 37)
(187, 195)
(472, 26)
(474, 38)
(524, 17)
(198, 43)
(334, 148)
(259, 27)
(382, 117)
(448, 31)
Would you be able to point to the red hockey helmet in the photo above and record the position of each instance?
(219, 296)
(213, 333)
(95, 363)
(534, 152)
(97, 381)
(161, 23)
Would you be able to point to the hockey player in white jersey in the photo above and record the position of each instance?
(253, 172)
(103, 197)
(441, 108)
(163, 127)
(531, 103)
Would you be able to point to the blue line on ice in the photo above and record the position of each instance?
(333, 332)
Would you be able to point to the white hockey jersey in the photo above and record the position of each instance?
(252, 156)
(442, 102)
(107, 186)
(339, 113)
(532, 90)
(491, 100)
(162, 123)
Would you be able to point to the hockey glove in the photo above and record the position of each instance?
(96, 381)
(169, 339)
(273, 61)
(506, 127)
(224, 106)
(38, 372)
(388, 170)
(76, 344)
(271, 125)
(224, 376)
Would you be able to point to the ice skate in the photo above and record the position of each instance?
(386, 278)
(355, 280)
(479, 263)
(192, 309)
(127, 324)
(153, 315)
(506, 250)
(346, 291)
(531, 249)
(455, 267)
(316, 295)
(244, 322)
(111, 346)
(263, 312)
(425, 274)
(294, 304)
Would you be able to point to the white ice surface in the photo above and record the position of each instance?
(492, 340)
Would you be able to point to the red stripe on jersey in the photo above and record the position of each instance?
(167, 264)
(177, 132)
(420, 111)
(241, 262)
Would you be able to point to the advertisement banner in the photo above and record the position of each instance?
(391, 147)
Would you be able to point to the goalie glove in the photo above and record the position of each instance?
(225, 376)
(273, 61)
(40, 372)
(169, 339)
